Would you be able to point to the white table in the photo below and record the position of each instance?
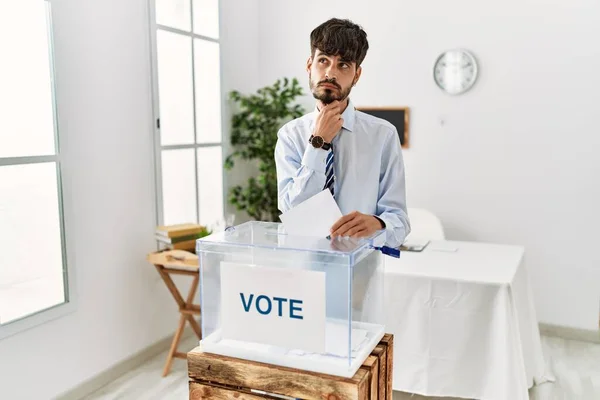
(464, 322)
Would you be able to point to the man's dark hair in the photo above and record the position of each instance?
(340, 37)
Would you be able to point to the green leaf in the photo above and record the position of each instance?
(254, 125)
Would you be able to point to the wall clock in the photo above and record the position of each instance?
(455, 71)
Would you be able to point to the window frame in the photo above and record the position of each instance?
(69, 304)
(158, 147)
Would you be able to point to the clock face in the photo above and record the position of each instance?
(455, 71)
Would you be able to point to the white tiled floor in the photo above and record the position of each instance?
(576, 366)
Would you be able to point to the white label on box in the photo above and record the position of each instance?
(274, 306)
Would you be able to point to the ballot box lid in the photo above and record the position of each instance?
(272, 235)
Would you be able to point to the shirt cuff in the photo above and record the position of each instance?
(315, 159)
(383, 225)
(391, 240)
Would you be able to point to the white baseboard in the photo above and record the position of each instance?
(582, 335)
(120, 369)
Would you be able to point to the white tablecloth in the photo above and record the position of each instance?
(464, 322)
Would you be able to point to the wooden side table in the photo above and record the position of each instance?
(219, 377)
(179, 262)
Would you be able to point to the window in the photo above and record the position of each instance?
(187, 102)
(33, 271)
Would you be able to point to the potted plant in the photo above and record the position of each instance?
(253, 137)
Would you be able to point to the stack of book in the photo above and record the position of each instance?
(180, 236)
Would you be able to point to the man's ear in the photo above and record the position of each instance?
(309, 63)
(357, 75)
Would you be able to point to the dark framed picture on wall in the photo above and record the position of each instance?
(397, 116)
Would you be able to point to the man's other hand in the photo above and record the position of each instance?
(356, 225)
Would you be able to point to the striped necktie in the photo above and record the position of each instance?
(329, 176)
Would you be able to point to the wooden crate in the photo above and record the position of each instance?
(214, 376)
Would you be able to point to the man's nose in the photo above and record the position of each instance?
(330, 73)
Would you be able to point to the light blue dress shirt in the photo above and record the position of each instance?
(368, 167)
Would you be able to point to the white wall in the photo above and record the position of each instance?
(514, 160)
(239, 71)
(102, 62)
(104, 100)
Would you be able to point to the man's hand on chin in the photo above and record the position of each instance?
(356, 225)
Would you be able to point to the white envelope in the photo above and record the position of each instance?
(313, 217)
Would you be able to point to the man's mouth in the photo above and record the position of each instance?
(328, 85)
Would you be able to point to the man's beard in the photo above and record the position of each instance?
(327, 95)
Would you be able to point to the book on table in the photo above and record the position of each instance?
(179, 230)
(180, 236)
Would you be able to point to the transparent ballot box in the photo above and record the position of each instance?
(302, 302)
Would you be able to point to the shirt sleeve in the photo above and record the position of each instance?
(391, 203)
(300, 174)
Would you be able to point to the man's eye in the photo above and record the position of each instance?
(344, 65)
(322, 60)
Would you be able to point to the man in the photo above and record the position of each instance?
(354, 155)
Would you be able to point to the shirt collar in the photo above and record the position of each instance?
(348, 116)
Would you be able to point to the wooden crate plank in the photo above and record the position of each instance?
(380, 352)
(388, 340)
(363, 388)
(371, 364)
(212, 392)
(207, 367)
